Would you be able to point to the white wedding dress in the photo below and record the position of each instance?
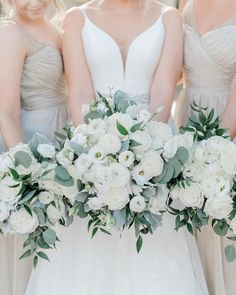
(109, 265)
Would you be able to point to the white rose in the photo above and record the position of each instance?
(46, 150)
(126, 158)
(110, 143)
(137, 204)
(170, 148)
(95, 203)
(191, 196)
(201, 154)
(116, 198)
(144, 140)
(228, 160)
(83, 162)
(103, 176)
(4, 211)
(79, 139)
(160, 131)
(9, 190)
(96, 128)
(46, 197)
(152, 163)
(219, 208)
(56, 213)
(65, 157)
(139, 175)
(5, 163)
(22, 222)
(233, 225)
(81, 129)
(121, 175)
(144, 116)
(124, 119)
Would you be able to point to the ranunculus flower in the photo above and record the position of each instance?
(137, 204)
(120, 175)
(110, 143)
(139, 175)
(144, 140)
(116, 198)
(219, 207)
(65, 157)
(191, 196)
(152, 163)
(46, 150)
(22, 222)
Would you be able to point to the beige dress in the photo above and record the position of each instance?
(43, 110)
(209, 68)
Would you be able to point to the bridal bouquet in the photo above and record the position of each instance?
(206, 186)
(31, 204)
(115, 167)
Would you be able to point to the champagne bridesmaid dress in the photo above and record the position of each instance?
(44, 110)
(209, 68)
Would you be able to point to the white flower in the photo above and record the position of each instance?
(152, 163)
(46, 197)
(144, 116)
(160, 131)
(110, 143)
(144, 140)
(4, 211)
(22, 222)
(65, 157)
(9, 190)
(228, 159)
(139, 175)
(5, 163)
(120, 175)
(134, 110)
(116, 198)
(124, 119)
(95, 203)
(96, 154)
(103, 176)
(79, 139)
(191, 196)
(70, 192)
(83, 162)
(201, 154)
(56, 213)
(46, 150)
(81, 129)
(156, 205)
(137, 204)
(233, 225)
(170, 148)
(219, 208)
(96, 128)
(126, 158)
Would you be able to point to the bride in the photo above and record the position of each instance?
(136, 47)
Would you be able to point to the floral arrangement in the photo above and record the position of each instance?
(206, 186)
(31, 202)
(116, 165)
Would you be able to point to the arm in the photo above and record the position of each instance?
(169, 68)
(229, 115)
(80, 88)
(12, 56)
(182, 4)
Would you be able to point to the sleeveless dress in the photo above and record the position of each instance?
(43, 109)
(109, 265)
(209, 68)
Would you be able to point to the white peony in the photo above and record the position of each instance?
(9, 190)
(48, 151)
(83, 162)
(156, 205)
(144, 140)
(191, 196)
(56, 213)
(228, 160)
(65, 157)
(137, 204)
(160, 131)
(170, 148)
(46, 197)
(152, 163)
(5, 163)
(219, 208)
(95, 203)
(110, 144)
(4, 211)
(126, 158)
(116, 198)
(124, 119)
(120, 175)
(103, 176)
(144, 116)
(135, 109)
(96, 128)
(22, 222)
(79, 139)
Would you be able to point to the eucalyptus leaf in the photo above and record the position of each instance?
(49, 236)
(230, 253)
(22, 158)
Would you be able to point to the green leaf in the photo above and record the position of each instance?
(69, 182)
(220, 228)
(168, 175)
(49, 236)
(27, 208)
(190, 228)
(136, 127)
(27, 197)
(94, 231)
(134, 143)
(182, 155)
(26, 254)
(42, 244)
(139, 243)
(35, 262)
(230, 253)
(105, 231)
(91, 116)
(14, 173)
(210, 116)
(43, 256)
(41, 216)
(62, 173)
(121, 129)
(22, 158)
(35, 141)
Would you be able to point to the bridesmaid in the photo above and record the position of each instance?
(210, 80)
(32, 100)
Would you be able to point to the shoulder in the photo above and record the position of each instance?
(170, 14)
(10, 36)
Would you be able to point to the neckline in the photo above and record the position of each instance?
(201, 35)
(41, 44)
(131, 44)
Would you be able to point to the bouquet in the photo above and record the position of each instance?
(31, 204)
(116, 166)
(206, 186)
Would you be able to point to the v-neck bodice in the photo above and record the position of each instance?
(107, 67)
